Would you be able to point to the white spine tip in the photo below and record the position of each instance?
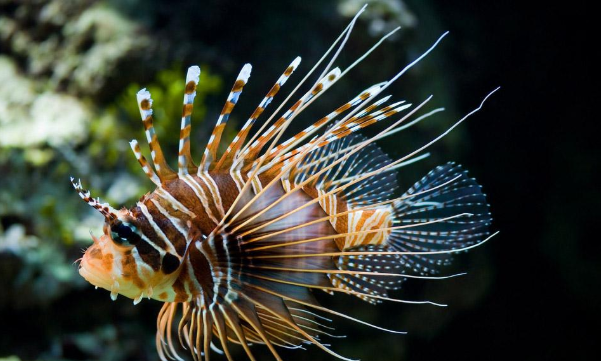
(143, 94)
(193, 74)
(296, 62)
(245, 72)
(373, 89)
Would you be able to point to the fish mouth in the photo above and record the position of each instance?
(93, 269)
(100, 267)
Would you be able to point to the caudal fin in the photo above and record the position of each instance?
(444, 211)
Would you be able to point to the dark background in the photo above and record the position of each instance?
(534, 149)
(540, 161)
(532, 292)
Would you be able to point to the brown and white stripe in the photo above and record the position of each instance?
(210, 153)
(184, 159)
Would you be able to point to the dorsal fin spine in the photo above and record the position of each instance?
(163, 170)
(184, 159)
(210, 153)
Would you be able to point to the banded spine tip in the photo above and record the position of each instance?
(144, 103)
(335, 72)
(330, 78)
(143, 94)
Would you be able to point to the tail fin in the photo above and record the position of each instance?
(426, 229)
(427, 210)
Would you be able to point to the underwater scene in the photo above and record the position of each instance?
(294, 180)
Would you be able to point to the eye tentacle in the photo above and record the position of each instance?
(104, 208)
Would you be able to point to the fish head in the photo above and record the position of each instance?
(123, 260)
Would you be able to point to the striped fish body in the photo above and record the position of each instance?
(191, 206)
(237, 245)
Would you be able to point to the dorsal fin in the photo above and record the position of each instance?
(368, 159)
(344, 128)
(162, 168)
(301, 136)
(251, 153)
(234, 148)
(210, 153)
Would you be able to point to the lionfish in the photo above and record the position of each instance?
(236, 246)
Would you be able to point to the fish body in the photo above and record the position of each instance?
(236, 245)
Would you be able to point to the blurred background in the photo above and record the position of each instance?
(69, 71)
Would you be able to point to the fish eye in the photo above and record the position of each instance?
(124, 234)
